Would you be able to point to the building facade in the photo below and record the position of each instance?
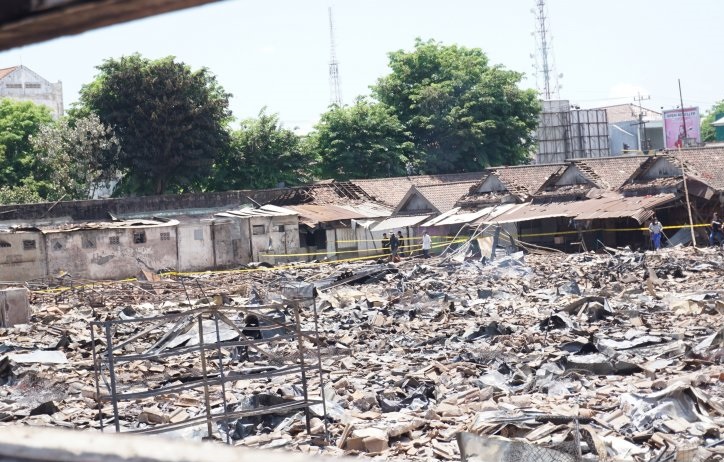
(22, 84)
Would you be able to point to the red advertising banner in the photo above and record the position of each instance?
(674, 122)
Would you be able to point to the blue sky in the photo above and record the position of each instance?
(275, 53)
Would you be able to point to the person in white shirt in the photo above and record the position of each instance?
(426, 244)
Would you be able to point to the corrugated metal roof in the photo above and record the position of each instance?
(112, 225)
(399, 222)
(263, 211)
(614, 206)
(311, 215)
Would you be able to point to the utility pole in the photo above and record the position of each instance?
(642, 124)
(335, 93)
(683, 117)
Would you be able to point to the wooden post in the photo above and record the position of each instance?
(688, 204)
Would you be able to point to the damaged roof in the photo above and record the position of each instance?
(263, 211)
(312, 215)
(613, 205)
(120, 224)
(706, 164)
(612, 171)
(391, 191)
(440, 197)
(525, 180)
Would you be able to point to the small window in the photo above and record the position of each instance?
(4, 244)
(257, 230)
(139, 237)
(198, 234)
(32, 85)
(114, 240)
(279, 228)
(89, 242)
(29, 244)
(165, 236)
(57, 245)
(14, 85)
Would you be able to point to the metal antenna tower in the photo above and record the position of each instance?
(546, 66)
(335, 93)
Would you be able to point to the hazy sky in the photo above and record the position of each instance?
(275, 53)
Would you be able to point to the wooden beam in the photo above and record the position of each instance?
(24, 23)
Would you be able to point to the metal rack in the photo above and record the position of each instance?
(219, 342)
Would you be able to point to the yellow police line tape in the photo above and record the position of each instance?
(310, 254)
(415, 238)
(561, 233)
(59, 290)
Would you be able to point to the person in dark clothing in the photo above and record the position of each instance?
(401, 239)
(716, 236)
(385, 243)
(394, 246)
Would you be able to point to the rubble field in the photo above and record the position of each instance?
(593, 356)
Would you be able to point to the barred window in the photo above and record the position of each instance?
(139, 237)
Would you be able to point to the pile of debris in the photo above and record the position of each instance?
(612, 356)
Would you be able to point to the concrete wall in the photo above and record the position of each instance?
(229, 243)
(25, 85)
(22, 256)
(416, 203)
(111, 253)
(662, 168)
(273, 235)
(572, 176)
(195, 246)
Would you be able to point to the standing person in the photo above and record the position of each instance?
(716, 236)
(426, 244)
(385, 243)
(394, 245)
(401, 238)
(655, 228)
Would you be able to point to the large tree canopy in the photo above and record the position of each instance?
(263, 154)
(707, 131)
(365, 140)
(80, 154)
(171, 121)
(21, 177)
(463, 113)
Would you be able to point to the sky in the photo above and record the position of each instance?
(275, 54)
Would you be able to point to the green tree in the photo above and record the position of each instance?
(707, 131)
(171, 120)
(365, 140)
(22, 194)
(263, 154)
(81, 155)
(19, 121)
(464, 114)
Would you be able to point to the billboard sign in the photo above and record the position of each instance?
(674, 121)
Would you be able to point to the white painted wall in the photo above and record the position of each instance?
(25, 85)
(195, 246)
(94, 253)
(19, 262)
